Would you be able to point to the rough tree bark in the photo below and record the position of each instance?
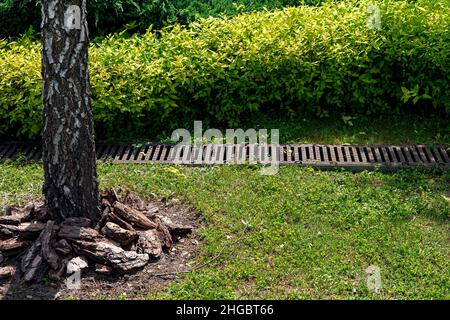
(71, 185)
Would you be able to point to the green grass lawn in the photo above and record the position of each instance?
(299, 234)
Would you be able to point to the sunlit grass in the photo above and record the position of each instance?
(299, 234)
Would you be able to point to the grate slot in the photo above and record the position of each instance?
(230, 154)
(105, 152)
(383, 155)
(22, 149)
(343, 153)
(336, 154)
(4, 150)
(436, 155)
(406, 155)
(363, 154)
(430, 155)
(38, 153)
(427, 155)
(348, 155)
(421, 156)
(119, 153)
(331, 157)
(127, 149)
(154, 154)
(376, 155)
(207, 151)
(444, 155)
(318, 153)
(303, 156)
(164, 153)
(99, 150)
(398, 155)
(359, 154)
(142, 154)
(308, 154)
(33, 155)
(369, 155)
(219, 153)
(414, 154)
(264, 154)
(353, 155)
(296, 154)
(112, 152)
(12, 151)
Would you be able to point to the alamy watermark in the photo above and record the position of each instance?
(374, 20)
(72, 18)
(236, 146)
(374, 279)
(73, 282)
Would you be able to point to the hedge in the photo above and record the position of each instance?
(323, 60)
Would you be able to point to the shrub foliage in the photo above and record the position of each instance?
(304, 59)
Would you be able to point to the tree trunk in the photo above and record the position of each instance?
(71, 185)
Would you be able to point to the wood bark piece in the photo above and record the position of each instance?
(14, 219)
(175, 229)
(110, 195)
(116, 233)
(8, 231)
(150, 212)
(104, 194)
(30, 230)
(151, 209)
(33, 264)
(78, 233)
(63, 247)
(178, 230)
(149, 243)
(7, 272)
(9, 210)
(103, 269)
(47, 239)
(106, 204)
(41, 255)
(164, 236)
(105, 252)
(95, 250)
(119, 221)
(134, 202)
(56, 275)
(133, 216)
(13, 246)
(105, 211)
(29, 255)
(36, 269)
(15, 215)
(127, 261)
(77, 221)
(41, 214)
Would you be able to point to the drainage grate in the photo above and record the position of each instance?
(320, 156)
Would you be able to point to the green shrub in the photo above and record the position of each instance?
(305, 59)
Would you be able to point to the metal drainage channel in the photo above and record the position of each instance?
(320, 156)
